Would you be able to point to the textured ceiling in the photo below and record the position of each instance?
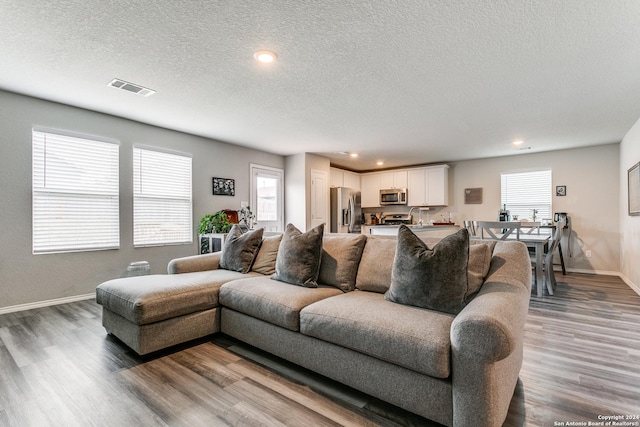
(407, 82)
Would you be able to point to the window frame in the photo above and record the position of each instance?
(75, 192)
(255, 171)
(542, 197)
(152, 196)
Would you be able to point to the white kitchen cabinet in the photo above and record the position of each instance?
(370, 190)
(438, 183)
(417, 188)
(336, 177)
(428, 186)
(351, 180)
(342, 178)
(393, 179)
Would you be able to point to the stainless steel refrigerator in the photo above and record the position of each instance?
(346, 212)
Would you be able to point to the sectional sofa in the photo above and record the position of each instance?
(392, 317)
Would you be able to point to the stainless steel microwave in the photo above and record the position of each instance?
(393, 196)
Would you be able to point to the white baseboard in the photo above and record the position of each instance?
(632, 285)
(47, 303)
(628, 282)
(587, 271)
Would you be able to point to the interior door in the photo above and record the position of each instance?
(319, 198)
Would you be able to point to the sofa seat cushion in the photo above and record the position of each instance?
(411, 337)
(149, 299)
(278, 303)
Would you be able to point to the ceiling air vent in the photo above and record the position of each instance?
(140, 90)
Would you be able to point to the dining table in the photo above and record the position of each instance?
(539, 243)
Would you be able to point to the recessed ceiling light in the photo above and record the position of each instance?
(518, 142)
(265, 56)
(354, 155)
(380, 163)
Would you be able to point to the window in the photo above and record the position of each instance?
(75, 194)
(161, 198)
(522, 192)
(267, 197)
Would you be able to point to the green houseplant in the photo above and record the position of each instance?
(212, 223)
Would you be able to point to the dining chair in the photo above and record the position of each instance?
(471, 227)
(550, 277)
(530, 227)
(499, 230)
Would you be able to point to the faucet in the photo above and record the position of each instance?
(535, 211)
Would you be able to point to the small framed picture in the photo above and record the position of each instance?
(473, 196)
(561, 190)
(224, 187)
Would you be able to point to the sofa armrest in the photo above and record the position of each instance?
(193, 263)
(487, 340)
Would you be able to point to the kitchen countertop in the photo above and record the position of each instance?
(392, 229)
(412, 226)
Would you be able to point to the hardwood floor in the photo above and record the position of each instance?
(59, 368)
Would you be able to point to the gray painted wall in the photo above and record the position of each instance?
(27, 278)
(592, 178)
(629, 225)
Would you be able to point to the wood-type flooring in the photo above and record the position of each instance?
(59, 368)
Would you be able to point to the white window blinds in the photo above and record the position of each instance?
(75, 194)
(161, 198)
(522, 192)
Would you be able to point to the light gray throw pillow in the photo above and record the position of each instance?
(430, 278)
(298, 260)
(240, 249)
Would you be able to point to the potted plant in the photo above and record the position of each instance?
(216, 223)
(246, 216)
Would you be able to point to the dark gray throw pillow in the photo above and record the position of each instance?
(430, 278)
(240, 249)
(299, 255)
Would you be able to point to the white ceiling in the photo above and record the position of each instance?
(406, 81)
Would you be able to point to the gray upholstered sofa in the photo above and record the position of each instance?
(456, 369)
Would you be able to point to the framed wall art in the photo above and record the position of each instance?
(561, 190)
(633, 176)
(224, 187)
(473, 196)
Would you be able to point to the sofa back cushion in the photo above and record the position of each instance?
(299, 254)
(374, 272)
(240, 249)
(480, 254)
(341, 254)
(265, 262)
